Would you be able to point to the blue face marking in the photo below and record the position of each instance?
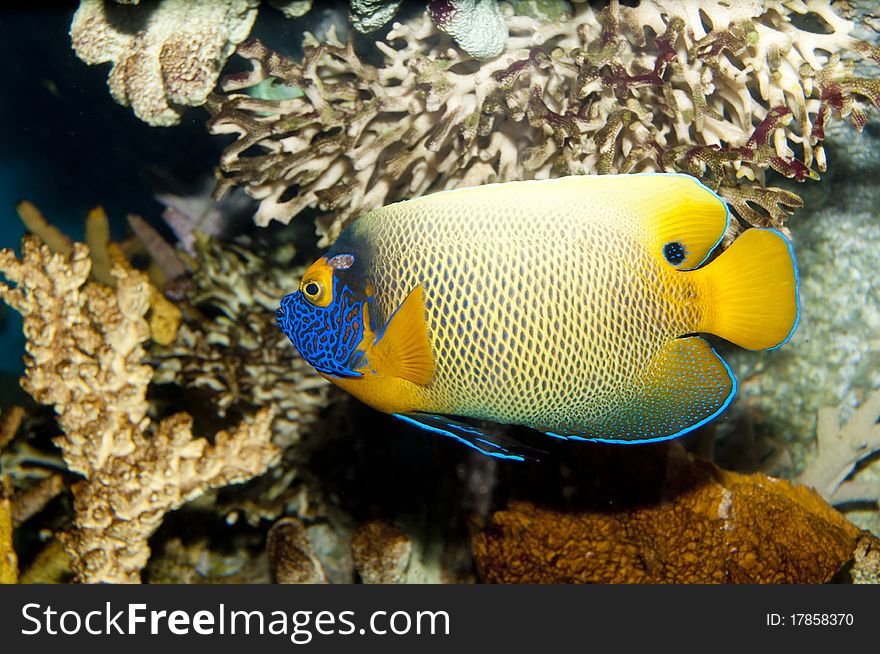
(326, 337)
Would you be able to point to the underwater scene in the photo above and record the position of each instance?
(444, 291)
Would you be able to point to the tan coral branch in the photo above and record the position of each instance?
(85, 357)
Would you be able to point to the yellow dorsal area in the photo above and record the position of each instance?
(749, 293)
(403, 349)
(653, 208)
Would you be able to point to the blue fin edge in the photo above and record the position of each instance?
(681, 432)
(500, 452)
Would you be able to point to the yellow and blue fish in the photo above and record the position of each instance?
(572, 306)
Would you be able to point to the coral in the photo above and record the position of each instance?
(8, 559)
(545, 11)
(476, 25)
(10, 421)
(370, 15)
(166, 55)
(31, 500)
(711, 526)
(179, 562)
(834, 471)
(36, 223)
(386, 554)
(187, 214)
(292, 8)
(232, 346)
(164, 317)
(381, 553)
(291, 556)
(833, 358)
(85, 352)
(624, 89)
(866, 560)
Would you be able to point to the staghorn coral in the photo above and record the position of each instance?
(835, 470)
(85, 352)
(166, 55)
(623, 89)
(234, 349)
(712, 526)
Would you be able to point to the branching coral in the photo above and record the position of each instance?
(85, 352)
(624, 89)
(840, 450)
(712, 527)
(166, 55)
(232, 346)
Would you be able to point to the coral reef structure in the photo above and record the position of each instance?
(370, 15)
(166, 55)
(230, 345)
(8, 559)
(477, 26)
(85, 358)
(835, 471)
(713, 527)
(622, 89)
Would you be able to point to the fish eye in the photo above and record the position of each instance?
(312, 290)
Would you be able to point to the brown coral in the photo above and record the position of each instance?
(713, 527)
(621, 90)
(85, 352)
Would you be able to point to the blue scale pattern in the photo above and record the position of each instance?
(326, 337)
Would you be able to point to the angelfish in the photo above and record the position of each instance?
(572, 306)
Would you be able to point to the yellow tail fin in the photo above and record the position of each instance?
(750, 292)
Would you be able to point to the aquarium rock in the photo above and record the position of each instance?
(292, 558)
(85, 353)
(590, 93)
(712, 526)
(370, 15)
(165, 55)
(476, 25)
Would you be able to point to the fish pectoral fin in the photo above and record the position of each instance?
(402, 348)
(486, 441)
(685, 386)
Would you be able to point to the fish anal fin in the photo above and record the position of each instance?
(402, 349)
(686, 386)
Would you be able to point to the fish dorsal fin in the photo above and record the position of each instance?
(679, 218)
(402, 349)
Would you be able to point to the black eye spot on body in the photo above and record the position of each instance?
(674, 252)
